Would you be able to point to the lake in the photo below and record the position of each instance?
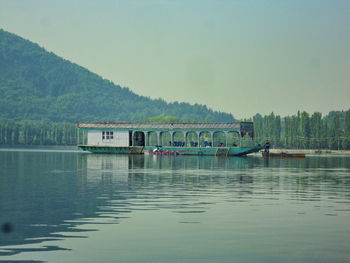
(71, 206)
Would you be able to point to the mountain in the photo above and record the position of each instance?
(39, 85)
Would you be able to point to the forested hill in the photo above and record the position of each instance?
(36, 85)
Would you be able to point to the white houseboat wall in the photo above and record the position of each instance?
(108, 138)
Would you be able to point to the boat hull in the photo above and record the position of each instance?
(214, 151)
(283, 155)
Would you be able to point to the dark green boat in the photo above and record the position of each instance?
(282, 155)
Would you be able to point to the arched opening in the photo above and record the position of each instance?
(179, 140)
(165, 138)
(233, 139)
(191, 139)
(205, 139)
(138, 139)
(219, 139)
(152, 138)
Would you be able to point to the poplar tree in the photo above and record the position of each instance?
(346, 135)
(316, 130)
(334, 133)
(304, 130)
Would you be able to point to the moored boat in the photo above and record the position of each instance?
(158, 151)
(176, 138)
(283, 155)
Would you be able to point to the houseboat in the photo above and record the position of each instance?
(226, 139)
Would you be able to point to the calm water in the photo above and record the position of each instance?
(78, 207)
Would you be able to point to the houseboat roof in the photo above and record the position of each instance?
(229, 126)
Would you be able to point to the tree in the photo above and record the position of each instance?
(334, 133)
(316, 130)
(304, 130)
(346, 136)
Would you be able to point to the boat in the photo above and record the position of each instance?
(282, 155)
(175, 138)
(159, 151)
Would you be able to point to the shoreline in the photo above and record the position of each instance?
(273, 150)
(311, 151)
(47, 147)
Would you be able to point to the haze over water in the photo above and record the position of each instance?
(76, 207)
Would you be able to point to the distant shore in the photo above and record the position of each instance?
(312, 151)
(76, 148)
(48, 147)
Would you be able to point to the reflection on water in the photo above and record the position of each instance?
(50, 196)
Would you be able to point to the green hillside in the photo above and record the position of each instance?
(38, 85)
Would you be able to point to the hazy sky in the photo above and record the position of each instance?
(237, 56)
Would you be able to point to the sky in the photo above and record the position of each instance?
(238, 56)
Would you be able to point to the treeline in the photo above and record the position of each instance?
(37, 133)
(46, 132)
(304, 130)
(300, 131)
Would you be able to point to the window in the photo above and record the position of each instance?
(107, 136)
